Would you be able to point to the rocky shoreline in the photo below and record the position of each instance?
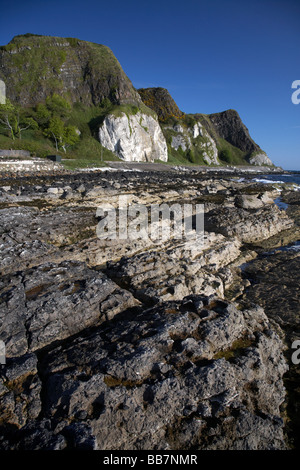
(132, 344)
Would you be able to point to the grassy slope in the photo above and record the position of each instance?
(195, 155)
(88, 152)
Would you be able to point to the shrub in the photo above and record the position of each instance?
(226, 156)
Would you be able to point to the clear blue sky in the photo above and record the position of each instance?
(211, 55)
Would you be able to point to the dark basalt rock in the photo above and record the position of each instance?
(160, 101)
(33, 67)
(230, 127)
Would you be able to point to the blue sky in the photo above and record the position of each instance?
(211, 55)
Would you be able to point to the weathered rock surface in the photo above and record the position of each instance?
(273, 279)
(154, 379)
(185, 138)
(247, 226)
(274, 284)
(136, 137)
(180, 269)
(133, 344)
(52, 302)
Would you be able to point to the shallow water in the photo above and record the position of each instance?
(292, 178)
(279, 203)
(291, 247)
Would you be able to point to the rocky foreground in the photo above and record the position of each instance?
(134, 344)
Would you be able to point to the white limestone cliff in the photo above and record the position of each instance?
(136, 137)
(185, 137)
(260, 159)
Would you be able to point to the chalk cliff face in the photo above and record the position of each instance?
(213, 138)
(196, 136)
(135, 137)
(260, 159)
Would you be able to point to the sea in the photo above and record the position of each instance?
(293, 178)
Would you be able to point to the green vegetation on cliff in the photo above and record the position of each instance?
(59, 127)
(199, 149)
(231, 137)
(61, 89)
(34, 67)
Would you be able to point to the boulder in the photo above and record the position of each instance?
(247, 201)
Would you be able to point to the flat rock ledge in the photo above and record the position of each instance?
(127, 345)
(198, 373)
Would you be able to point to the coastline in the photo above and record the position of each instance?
(122, 322)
